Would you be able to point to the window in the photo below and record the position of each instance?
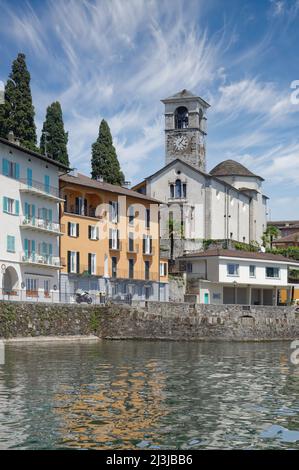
(45, 250)
(147, 270)
(114, 266)
(113, 208)
(178, 189)
(147, 244)
(181, 118)
(163, 269)
(171, 190)
(10, 169)
(11, 206)
(47, 183)
(131, 269)
(114, 239)
(272, 272)
(92, 263)
(131, 241)
(31, 285)
(93, 232)
(184, 190)
(233, 270)
(29, 177)
(131, 215)
(29, 247)
(46, 287)
(10, 244)
(252, 270)
(29, 212)
(45, 214)
(81, 206)
(73, 261)
(189, 267)
(73, 229)
(147, 218)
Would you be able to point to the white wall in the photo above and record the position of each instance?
(259, 279)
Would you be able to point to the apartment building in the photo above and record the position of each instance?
(29, 220)
(111, 242)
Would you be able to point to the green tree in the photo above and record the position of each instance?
(18, 113)
(54, 139)
(269, 235)
(104, 160)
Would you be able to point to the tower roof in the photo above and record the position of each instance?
(232, 168)
(185, 95)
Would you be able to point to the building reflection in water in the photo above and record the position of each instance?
(118, 410)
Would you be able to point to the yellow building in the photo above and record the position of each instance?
(111, 244)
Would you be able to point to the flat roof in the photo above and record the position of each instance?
(83, 180)
(34, 154)
(239, 254)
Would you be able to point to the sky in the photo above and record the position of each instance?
(116, 59)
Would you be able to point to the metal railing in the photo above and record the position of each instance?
(83, 211)
(37, 186)
(35, 258)
(43, 224)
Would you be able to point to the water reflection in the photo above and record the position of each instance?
(133, 394)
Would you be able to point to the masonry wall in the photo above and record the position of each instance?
(156, 320)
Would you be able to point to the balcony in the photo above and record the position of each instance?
(136, 275)
(149, 252)
(116, 247)
(82, 212)
(35, 259)
(41, 225)
(39, 189)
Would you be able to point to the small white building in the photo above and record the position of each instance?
(29, 221)
(237, 277)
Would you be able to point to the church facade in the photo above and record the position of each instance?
(226, 203)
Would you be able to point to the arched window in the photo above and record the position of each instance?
(171, 190)
(181, 118)
(178, 189)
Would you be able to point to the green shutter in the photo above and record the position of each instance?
(17, 171)
(17, 207)
(5, 167)
(5, 204)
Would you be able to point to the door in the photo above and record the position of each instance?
(206, 298)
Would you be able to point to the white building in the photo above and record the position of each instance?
(237, 277)
(226, 203)
(29, 220)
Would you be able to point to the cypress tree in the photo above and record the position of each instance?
(104, 160)
(53, 132)
(18, 113)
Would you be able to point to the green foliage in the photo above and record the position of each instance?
(104, 160)
(56, 138)
(245, 246)
(206, 243)
(269, 235)
(17, 114)
(176, 229)
(288, 252)
(94, 321)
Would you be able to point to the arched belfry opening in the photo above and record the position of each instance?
(181, 118)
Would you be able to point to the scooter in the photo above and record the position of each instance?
(83, 296)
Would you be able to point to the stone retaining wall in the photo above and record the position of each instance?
(155, 320)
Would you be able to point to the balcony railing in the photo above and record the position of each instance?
(41, 224)
(136, 275)
(44, 260)
(38, 187)
(83, 211)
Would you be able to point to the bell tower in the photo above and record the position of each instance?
(186, 129)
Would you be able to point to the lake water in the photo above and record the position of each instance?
(142, 394)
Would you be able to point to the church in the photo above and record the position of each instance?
(225, 203)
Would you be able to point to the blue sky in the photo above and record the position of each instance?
(117, 58)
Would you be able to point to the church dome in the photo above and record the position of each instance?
(232, 168)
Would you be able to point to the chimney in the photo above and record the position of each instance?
(126, 184)
(100, 179)
(74, 173)
(11, 138)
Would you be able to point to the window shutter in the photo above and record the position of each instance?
(151, 245)
(89, 263)
(78, 262)
(13, 244)
(77, 230)
(97, 233)
(29, 177)
(5, 167)
(68, 261)
(33, 212)
(143, 244)
(89, 231)
(17, 171)
(117, 212)
(17, 207)
(50, 249)
(33, 246)
(69, 229)
(110, 211)
(110, 238)
(117, 234)
(50, 215)
(5, 204)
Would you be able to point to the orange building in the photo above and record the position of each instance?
(111, 245)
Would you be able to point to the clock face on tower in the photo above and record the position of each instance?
(180, 142)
